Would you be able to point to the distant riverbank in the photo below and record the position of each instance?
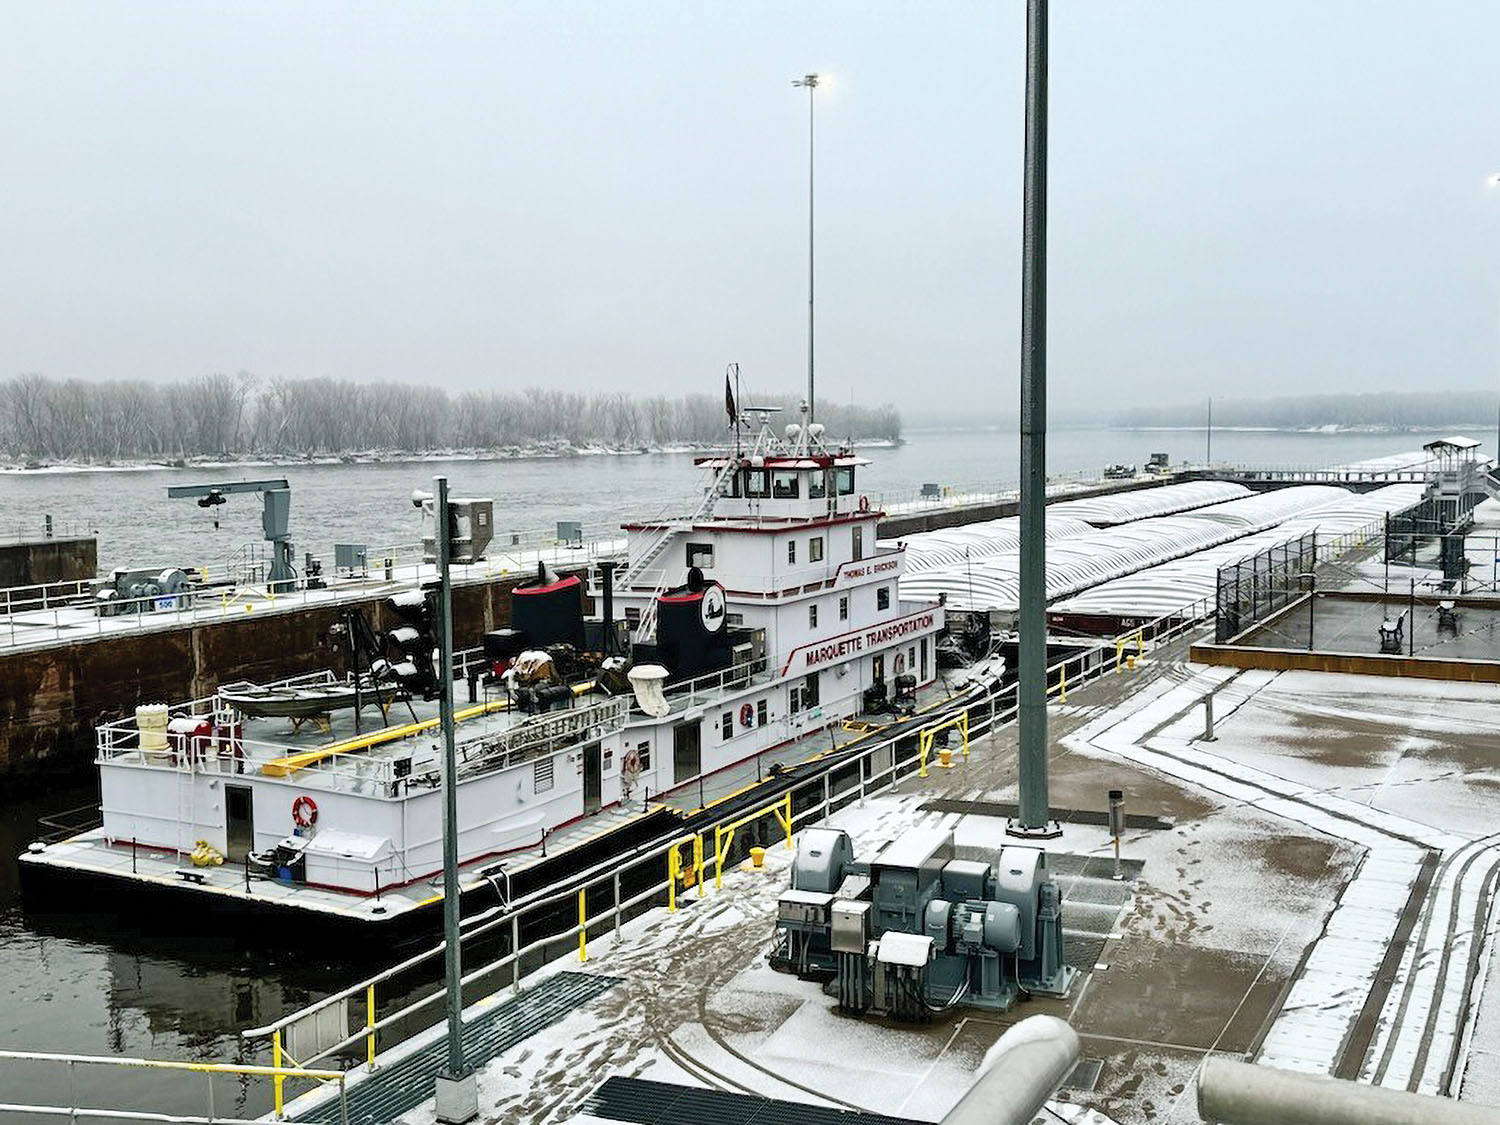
(539, 451)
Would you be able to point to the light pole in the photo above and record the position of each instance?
(457, 1095)
(1493, 181)
(810, 83)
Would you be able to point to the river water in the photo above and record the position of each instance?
(84, 989)
(370, 503)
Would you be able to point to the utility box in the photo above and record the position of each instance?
(471, 527)
(349, 558)
(851, 926)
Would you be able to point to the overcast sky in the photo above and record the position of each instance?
(1247, 198)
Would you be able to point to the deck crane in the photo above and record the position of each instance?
(277, 495)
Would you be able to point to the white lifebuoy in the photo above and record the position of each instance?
(631, 763)
(747, 715)
(864, 503)
(304, 812)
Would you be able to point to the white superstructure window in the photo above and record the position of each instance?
(844, 608)
(815, 549)
(812, 617)
(883, 598)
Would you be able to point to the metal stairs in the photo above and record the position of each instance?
(641, 565)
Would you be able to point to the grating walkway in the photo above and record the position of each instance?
(402, 1086)
(642, 1102)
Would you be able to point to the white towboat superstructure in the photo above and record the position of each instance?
(768, 616)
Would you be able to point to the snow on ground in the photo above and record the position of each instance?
(1398, 767)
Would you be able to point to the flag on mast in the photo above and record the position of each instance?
(729, 400)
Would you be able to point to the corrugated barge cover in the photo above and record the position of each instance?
(1162, 589)
(1146, 503)
(1162, 564)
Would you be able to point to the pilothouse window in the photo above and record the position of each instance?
(784, 485)
(846, 481)
(817, 485)
(755, 482)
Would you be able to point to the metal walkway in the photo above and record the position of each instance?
(401, 1086)
(642, 1102)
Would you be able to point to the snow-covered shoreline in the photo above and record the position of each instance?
(540, 451)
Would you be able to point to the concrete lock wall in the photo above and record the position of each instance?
(49, 560)
(51, 699)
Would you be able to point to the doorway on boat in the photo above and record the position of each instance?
(687, 752)
(877, 669)
(593, 777)
(239, 823)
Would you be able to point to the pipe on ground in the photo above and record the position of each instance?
(1237, 1093)
(1019, 1073)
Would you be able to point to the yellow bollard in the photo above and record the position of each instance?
(757, 858)
(1130, 662)
(945, 759)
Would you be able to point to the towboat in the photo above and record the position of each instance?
(761, 630)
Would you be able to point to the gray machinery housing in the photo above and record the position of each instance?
(917, 930)
(471, 527)
(142, 591)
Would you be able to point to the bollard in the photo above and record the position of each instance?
(945, 759)
(1130, 662)
(757, 858)
(1117, 824)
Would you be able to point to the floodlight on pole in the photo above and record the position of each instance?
(809, 82)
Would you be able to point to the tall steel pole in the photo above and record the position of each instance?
(1034, 813)
(810, 81)
(450, 1108)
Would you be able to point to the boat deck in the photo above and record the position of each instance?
(92, 854)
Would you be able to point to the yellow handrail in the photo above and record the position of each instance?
(925, 739)
(724, 833)
(291, 763)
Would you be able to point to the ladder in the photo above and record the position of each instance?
(639, 566)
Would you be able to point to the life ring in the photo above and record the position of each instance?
(304, 812)
(864, 503)
(747, 715)
(631, 763)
